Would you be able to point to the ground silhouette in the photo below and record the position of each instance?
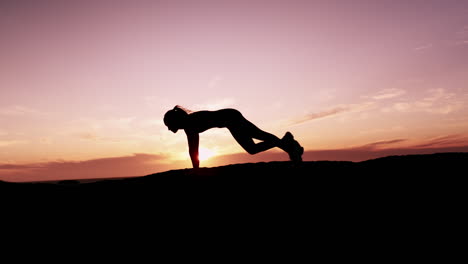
(393, 177)
(385, 199)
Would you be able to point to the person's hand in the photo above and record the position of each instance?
(195, 163)
(192, 172)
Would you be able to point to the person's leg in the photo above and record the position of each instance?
(245, 132)
(249, 145)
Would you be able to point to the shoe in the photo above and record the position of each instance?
(292, 147)
(298, 150)
(286, 140)
(288, 136)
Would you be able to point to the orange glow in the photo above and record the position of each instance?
(205, 154)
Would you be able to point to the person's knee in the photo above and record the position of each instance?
(251, 151)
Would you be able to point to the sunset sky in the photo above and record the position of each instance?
(84, 85)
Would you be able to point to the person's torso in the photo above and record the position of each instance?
(204, 120)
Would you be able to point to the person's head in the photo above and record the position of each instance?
(174, 119)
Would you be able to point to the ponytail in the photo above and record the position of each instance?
(178, 108)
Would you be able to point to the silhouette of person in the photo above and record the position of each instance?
(243, 131)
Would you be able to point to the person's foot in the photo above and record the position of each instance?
(292, 147)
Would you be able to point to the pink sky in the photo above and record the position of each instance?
(84, 86)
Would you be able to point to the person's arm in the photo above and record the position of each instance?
(193, 141)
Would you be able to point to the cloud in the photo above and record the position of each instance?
(387, 94)
(463, 33)
(109, 130)
(139, 164)
(462, 42)
(88, 136)
(5, 143)
(322, 114)
(438, 94)
(461, 37)
(381, 130)
(45, 140)
(424, 47)
(384, 143)
(438, 101)
(18, 167)
(332, 111)
(19, 110)
(444, 141)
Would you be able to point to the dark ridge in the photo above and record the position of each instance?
(274, 178)
(421, 196)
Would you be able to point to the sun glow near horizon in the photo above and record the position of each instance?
(206, 154)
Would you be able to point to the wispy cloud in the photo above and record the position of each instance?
(383, 143)
(88, 136)
(438, 94)
(322, 114)
(19, 166)
(424, 47)
(332, 112)
(387, 94)
(461, 36)
(444, 141)
(19, 110)
(462, 33)
(438, 101)
(46, 140)
(5, 143)
(462, 42)
(381, 130)
(92, 128)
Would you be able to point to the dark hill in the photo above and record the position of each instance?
(393, 197)
(380, 207)
(383, 177)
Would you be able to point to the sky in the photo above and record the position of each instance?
(84, 85)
